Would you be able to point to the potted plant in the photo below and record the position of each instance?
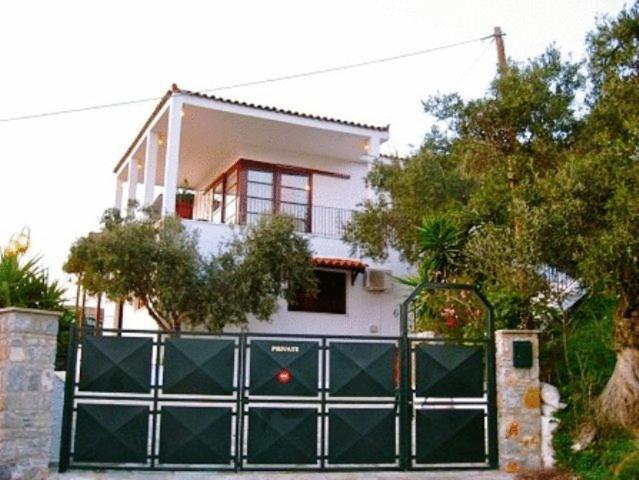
(184, 200)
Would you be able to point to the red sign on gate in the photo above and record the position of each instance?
(284, 376)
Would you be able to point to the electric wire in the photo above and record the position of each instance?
(280, 78)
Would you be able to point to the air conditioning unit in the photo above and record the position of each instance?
(377, 279)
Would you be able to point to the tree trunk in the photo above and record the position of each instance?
(619, 400)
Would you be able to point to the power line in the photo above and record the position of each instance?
(251, 83)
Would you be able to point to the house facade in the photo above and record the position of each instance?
(219, 164)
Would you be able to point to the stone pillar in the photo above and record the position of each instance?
(27, 353)
(518, 401)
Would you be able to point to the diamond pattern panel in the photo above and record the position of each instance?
(116, 364)
(450, 436)
(282, 436)
(361, 436)
(449, 371)
(359, 369)
(268, 358)
(111, 433)
(195, 435)
(199, 366)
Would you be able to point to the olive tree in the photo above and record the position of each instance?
(157, 262)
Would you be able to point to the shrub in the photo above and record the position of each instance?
(629, 467)
(26, 284)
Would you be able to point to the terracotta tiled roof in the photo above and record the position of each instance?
(176, 90)
(342, 263)
(267, 108)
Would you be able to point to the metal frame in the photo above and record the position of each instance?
(407, 406)
(240, 401)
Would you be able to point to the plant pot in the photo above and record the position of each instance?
(184, 208)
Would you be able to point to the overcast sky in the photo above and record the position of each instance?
(56, 174)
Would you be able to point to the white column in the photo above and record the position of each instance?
(118, 194)
(372, 152)
(133, 181)
(172, 159)
(150, 165)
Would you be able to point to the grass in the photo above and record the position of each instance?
(581, 371)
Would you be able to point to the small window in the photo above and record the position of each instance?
(330, 298)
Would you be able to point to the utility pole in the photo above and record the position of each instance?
(501, 50)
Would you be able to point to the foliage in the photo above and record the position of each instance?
(581, 367)
(592, 206)
(479, 169)
(590, 361)
(158, 263)
(628, 469)
(62, 344)
(439, 241)
(601, 460)
(25, 283)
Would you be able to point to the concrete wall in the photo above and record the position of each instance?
(27, 352)
(518, 403)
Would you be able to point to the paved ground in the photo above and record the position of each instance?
(121, 475)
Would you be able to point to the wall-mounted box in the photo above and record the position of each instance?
(522, 354)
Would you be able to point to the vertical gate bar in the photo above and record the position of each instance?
(404, 394)
(67, 412)
(156, 391)
(492, 393)
(324, 361)
(239, 417)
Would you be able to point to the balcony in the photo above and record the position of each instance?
(317, 220)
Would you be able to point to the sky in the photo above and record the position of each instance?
(56, 172)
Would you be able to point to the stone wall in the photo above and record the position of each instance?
(27, 353)
(518, 403)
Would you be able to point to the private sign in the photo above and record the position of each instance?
(285, 348)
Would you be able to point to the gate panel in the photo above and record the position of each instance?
(199, 366)
(362, 369)
(450, 404)
(195, 435)
(449, 371)
(362, 436)
(284, 368)
(285, 436)
(111, 433)
(450, 436)
(116, 364)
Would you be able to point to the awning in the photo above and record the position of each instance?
(352, 264)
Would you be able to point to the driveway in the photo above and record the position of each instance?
(122, 475)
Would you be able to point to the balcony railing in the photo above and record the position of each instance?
(316, 219)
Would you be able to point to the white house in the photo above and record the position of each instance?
(244, 160)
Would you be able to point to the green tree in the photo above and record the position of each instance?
(481, 166)
(158, 263)
(591, 214)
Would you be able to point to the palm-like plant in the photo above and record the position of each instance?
(24, 283)
(440, 243)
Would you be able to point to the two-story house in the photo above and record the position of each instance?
(241, 161)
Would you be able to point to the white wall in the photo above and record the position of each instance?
(364, 309)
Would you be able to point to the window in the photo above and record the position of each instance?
(259, 194)
(250, 189)
(330, 298)
(294, 199)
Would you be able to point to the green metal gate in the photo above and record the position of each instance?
(197, 401)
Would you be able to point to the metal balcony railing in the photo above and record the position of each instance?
(316, 219)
